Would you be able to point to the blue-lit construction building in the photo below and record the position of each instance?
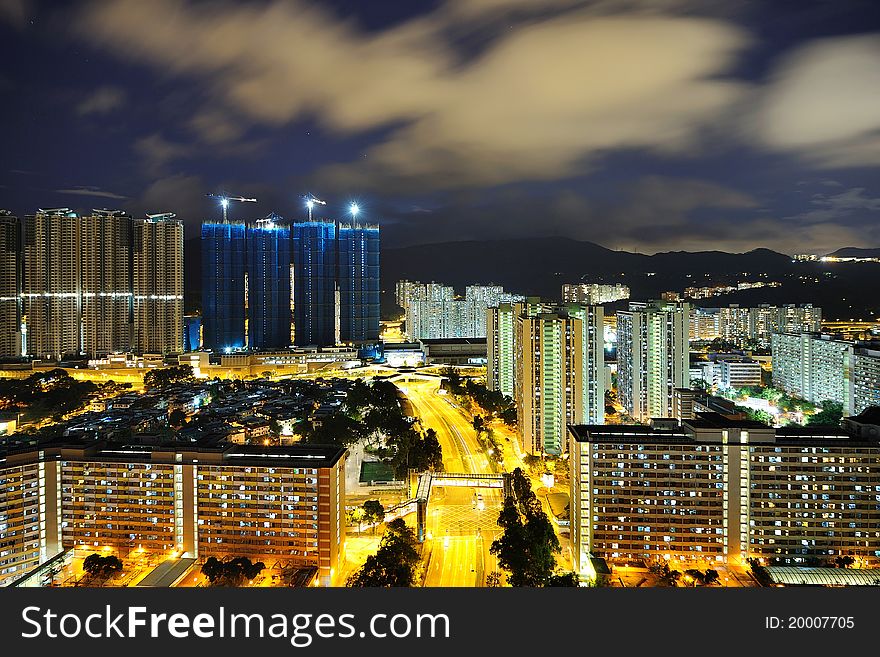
(314, 282)
(334, 286)
(223, 285)
(268, 267)
(358, 283)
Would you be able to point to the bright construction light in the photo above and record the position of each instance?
(310, 204)
(224, 202)
(354, 209)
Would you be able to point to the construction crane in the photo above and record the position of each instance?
(311, 200)
(224, 201)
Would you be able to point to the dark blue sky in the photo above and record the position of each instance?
(672, 124)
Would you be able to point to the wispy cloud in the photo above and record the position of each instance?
(157, 152)
(101, 101)
(546, 97)
(15, 12)
(837, 207)
(89, 190)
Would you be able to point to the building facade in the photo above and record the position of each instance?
(51, 299)
(559, 373)
(814, 367)
(714, 489)
(158, 285)
(358, 283)
(755, 326)
(10, 285)
(500, 348)
(866, 379)
(738, 373)
(106, 282)
(223, 285)
(273, 504)
(652, 357)
(434, 312)
(593, 293)
(268, 289)
(315, 302)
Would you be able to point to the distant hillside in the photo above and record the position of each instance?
(854, 252)
(540, 266)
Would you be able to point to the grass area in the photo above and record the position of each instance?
(376, 471)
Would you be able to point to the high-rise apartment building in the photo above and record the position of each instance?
(652, 357)
(719, 490)
(434, 312)
(268, 290)
(501, 356)
(272, 504)
(866, 379)
(315, 301)
(358, 283)
(106, 282)
(51, 288)
(593, 293)
(559, 373)
(817, 368)
(705, 324)
(259, 280)
(223, 285)
(157, 248)
(10, 285)
(814, 368)
(755, 326)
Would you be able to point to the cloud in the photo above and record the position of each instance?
(839, 206)
(90, 190)
(649, 212)
(822, 103)
(181, 194)
(545, 97)
(101, 101)
(157, 152)
(15, 12)
(216, 127)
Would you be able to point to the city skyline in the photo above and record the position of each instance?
(755, 128)
(439, 293)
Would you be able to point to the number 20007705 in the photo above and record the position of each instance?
(809, 622)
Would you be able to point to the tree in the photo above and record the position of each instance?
(830, 415)
(165, 377)
(417, 451)
(696, 575)
(336, 429)
(711, 577)
(527, 546)
(98, 566)
(563, 579)
(176, 418)
(374, 512)
(493, 579)
(479, 424)
(395, 562)
(844, 561)
(231, 572)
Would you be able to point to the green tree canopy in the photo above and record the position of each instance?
(231, 572)
(395, 562)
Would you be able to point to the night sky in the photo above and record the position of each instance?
(650, 125)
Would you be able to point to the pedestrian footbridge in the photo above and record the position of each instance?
(427, 480)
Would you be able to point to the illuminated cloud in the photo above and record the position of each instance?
(544, 98)
(823, 103)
